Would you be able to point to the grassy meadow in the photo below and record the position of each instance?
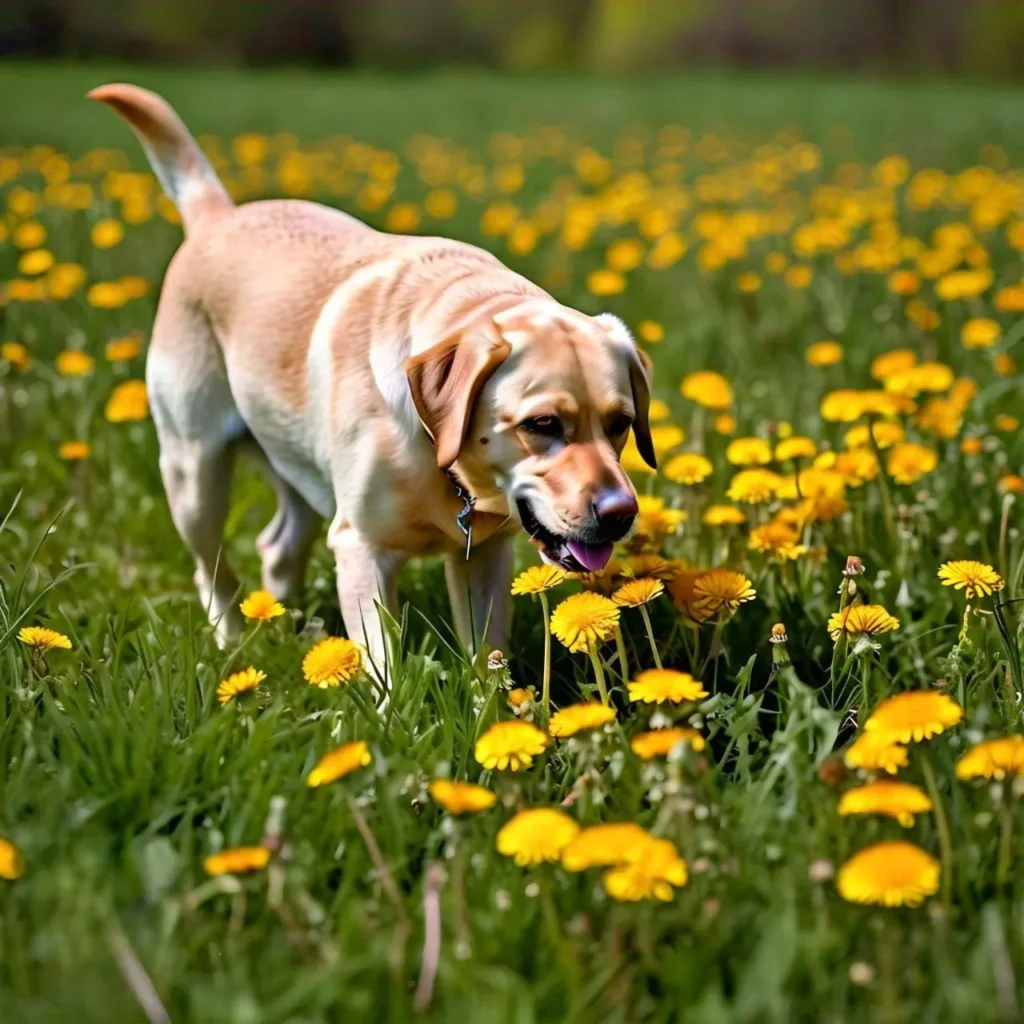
(829, 278)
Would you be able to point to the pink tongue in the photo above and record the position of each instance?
(592, 557)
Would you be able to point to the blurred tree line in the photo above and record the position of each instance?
(982, 38)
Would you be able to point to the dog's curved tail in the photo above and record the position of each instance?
(180, 165)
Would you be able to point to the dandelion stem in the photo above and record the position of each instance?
(546, 679)
(840, 640)
(620, 649)
(883, 483)
(602, 686)
(941, 826)
(650, 636)
(1005, 835)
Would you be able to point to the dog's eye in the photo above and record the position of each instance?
(620, 425)
(544, 426)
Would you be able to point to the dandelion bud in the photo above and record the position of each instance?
(854, 566)
(778, 634)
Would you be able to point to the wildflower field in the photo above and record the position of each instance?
(765, 767)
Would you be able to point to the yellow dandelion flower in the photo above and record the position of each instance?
(725, 425)
(512, 745)
(724, 515)
(661, 742)
(239, 682)
(128, 402)
(856, 466)
(15, 354)
(605, 282)
(1009, 299)
(631, 460)
(824, 353)
(650, 872)
(658, 410)
(899, 800)
(904, 282)
(331, 662)
(583, 621)
(963, 284)
(980, 333)
(922, 377)
(886, 433)
(650, 331)
(29, 235)
(537, 579)
(261, 606)
(862, 620)
(604, 846)
(634, 593)
(993, 759)
(941, 417)
(1004, 365)
(123, 349)
(908, 462)
(1006, 423)
(107, 233)
(707, 388)
(462, 797)
(237, 861)
(657, 685)
(536, 836)
(972, 445)
(754, 486)
(665, 437)
(913, 716)
(74, 451)
(648, 564)
(898, 360)
(796, 448)
(579, 717)
(38, 261)
(688, 468)
(798, 276)
(43, 639)
(11, 865)
(106, 295)
(874, 752)
(1011, 483)
(339, 762)
(889, 874)
(975, 578)
(721, 590)
(778, 539)
(520, 696)
(749, 451)
(72, 363)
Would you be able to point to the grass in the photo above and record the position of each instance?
(120, 771)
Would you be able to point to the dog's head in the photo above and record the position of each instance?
(536, 404)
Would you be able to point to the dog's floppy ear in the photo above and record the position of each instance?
(445, 382)
(639, 382)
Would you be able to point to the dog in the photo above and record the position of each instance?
(414, 392)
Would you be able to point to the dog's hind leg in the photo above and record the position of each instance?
(197, 425)
(287, 541)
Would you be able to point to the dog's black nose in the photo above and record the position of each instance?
(615, 512)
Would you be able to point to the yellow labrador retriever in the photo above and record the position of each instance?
(410, 390)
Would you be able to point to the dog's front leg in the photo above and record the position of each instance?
(366, 584)
(478, 588)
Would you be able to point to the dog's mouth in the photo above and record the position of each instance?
(569, 554)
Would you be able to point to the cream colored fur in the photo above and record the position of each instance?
(328, 342)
